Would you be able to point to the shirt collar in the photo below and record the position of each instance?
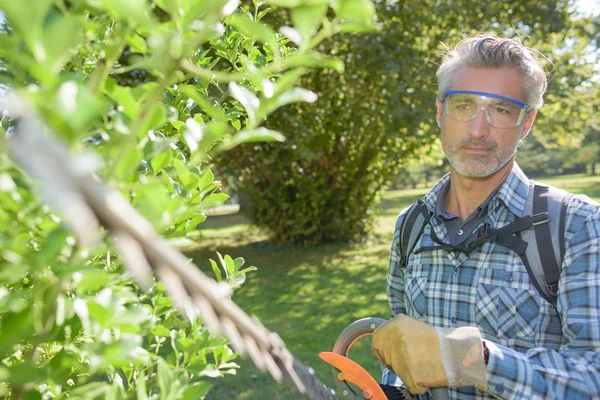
(512, 192)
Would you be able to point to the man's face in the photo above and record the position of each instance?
(474, 148)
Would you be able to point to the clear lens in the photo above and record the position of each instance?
(500, 112)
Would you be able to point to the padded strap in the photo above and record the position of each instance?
(412, 228)
(545, 248)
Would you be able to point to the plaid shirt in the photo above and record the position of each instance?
(536, 352)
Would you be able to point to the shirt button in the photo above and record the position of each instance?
(460, 232)
(508, 278)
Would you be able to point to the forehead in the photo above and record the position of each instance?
(505, 82)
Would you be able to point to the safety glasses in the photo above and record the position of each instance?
(500, 111)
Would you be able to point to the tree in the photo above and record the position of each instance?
(153, 89)
(324, 182)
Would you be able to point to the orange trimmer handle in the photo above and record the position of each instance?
(352, 372)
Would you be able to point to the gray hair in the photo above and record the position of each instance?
(488, 51)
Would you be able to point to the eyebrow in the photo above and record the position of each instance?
(501, 102)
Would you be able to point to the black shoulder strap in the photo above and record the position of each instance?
(411, 229)
(545, 248)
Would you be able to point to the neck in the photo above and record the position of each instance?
(467, 193)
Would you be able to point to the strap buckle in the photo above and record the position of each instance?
(552, 288)
(538, 219)
(483, 233)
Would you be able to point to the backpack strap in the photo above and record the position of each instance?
(411, 229)
(545, 242)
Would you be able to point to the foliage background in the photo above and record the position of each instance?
(375, 122)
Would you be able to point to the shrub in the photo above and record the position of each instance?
(153, 89)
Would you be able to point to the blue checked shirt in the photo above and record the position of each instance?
(536, 351)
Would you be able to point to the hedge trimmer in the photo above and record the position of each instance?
(352, 380)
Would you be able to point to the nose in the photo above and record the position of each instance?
(479, 126)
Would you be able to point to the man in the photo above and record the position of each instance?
(472, 323)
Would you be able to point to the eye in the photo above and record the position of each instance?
(502, 111)
(462, 105)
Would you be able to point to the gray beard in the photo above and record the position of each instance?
(474, 166)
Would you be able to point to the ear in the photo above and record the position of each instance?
(438, 115)
(528, 123)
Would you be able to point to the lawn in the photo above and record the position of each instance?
(308, 295)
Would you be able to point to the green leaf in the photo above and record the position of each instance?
(161, 161)
(21, 374)
(179, 125)
(216, 270)
(230, 264)
(52, 246)
(161, 330)
(134, 314)
(357, 10)
(194, 222)
(356, 27)
(294, 95)
(99, 314)
(137, 43)
(129, 164)
(198, 391)
(247, 99)
(91, 279)
(165, 377)
(251, 28)
(307, 19)
(213, 109)
(214, 199)
(135, 11)
(125, 99)
(125, 352)
(260, 134)
(89, 391)
(252, 268)
(211, 371)
(77, 105)
(223, 264)
(179, 166)
(59, 368)
(15, 326)
(206, 179)
(288, 80)
(314, 59)
(61, 36)
(189, 181)
(236, 280)
(238, 262)
(140, 386)
(157, 119)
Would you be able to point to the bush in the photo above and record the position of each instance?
(153, 89)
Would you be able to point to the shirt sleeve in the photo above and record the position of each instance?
(395, 294)
(572, 371)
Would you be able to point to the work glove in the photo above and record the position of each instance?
(426, 357)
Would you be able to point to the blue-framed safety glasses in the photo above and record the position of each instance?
(500, 111)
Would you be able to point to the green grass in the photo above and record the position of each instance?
(308, 295)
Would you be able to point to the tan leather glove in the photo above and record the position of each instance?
(426, 357)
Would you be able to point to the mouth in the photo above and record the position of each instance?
(477, 150)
